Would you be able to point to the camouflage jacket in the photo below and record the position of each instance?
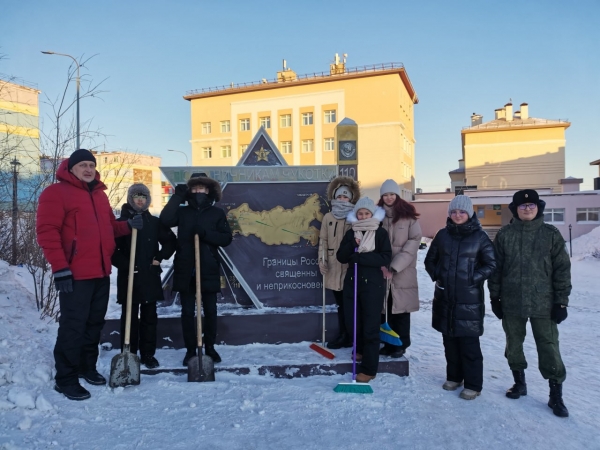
(533, 269)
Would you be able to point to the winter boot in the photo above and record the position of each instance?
(469, 394)
(342, 341)
(149, 361)
(386, 349)
(73, 391)
(520, 386)
(451, 385)
(188, 355)
(209, 350)
(556, 402)
(93, 377)
(397, 352)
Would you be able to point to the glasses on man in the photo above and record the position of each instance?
(525, 206)
(139, 196)
(458, 212)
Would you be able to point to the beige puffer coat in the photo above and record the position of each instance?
(332, 233)
(405, 237)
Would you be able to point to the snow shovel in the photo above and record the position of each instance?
(125, 367)
(316, 347)
(201, 367)
(386, 334)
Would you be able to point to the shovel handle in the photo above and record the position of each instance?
(130, 287)
(198, 292)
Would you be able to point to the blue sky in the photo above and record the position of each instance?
(462, 57)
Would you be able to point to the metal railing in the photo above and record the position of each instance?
(309, 76)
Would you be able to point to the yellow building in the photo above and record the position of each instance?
(513, 151)
(19, 127)
(119, 170)
(300, 114)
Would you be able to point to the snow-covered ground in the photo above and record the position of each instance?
(260, 412)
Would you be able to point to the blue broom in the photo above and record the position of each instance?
(386, 334)
(354, 387)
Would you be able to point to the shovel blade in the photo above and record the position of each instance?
(201, 368)
(124, 370)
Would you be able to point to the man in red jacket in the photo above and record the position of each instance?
(76, 229)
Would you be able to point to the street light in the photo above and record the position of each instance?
(183, 153)
(69, 56)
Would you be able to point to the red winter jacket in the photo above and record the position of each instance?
(76, 227)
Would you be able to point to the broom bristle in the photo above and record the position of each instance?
(389, 336)
(354, 388)
(322, 351)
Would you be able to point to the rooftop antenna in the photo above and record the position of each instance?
(345, 56)
(284, 64)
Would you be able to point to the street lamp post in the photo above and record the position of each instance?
(183, 153)
(78, 82)
(15, 211)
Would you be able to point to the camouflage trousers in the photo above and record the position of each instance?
(545, 333)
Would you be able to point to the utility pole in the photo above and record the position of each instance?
(15, 211)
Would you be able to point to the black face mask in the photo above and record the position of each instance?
(202, 199)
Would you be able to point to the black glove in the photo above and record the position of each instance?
(354, 258)
(497, 307)
(136, 222)
(181, 190)
(200, 231)
(559, 313)
(63, 280)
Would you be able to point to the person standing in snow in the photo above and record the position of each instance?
(147, 286)
(209, 222)
(459, 260)
(76, 229)
(366, 245)
(343, 192)
(405, 236)
(533, 282)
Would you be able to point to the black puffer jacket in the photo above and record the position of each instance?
(212, 223)
(459, 260)
(147, 284)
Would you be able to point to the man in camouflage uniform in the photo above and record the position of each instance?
(532, 282)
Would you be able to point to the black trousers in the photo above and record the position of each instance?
(464, 361)
(81, 320)
(369, 305)
(188, 320)
(339, 301)
(400, 323)
(143, 327)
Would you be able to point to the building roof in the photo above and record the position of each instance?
(459, 170)
(595, 163)
(313, 78)
(530, 122)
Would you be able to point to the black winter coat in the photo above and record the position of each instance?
(147, 285)
(369, 264)
(210, 223)
(459, 260)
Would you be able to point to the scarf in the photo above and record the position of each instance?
(340, 209)
(364, 230)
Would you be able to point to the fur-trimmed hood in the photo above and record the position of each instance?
(214, 188)
(344, 181)
(138, 188)
(379, 215)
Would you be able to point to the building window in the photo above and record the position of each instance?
(205, 127)
(330, 116)
(285, 121)
(307, 118)
(243, 147)
(226, 151)
(245, 125)
(286, 147)
(589, 215)
(329, 144)
(480, 212)
(207, 152)
(307, 146)
(265, 122)
(225, 126)
(554, 215)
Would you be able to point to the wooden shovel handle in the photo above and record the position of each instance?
(198, 291)
(130, 286)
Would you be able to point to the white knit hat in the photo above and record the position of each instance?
(389, 187)
(365, 203)
(461, 202)
(343, 190)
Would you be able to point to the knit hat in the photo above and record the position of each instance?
(136, 190)
(463, 203)
(365, 203)
(80, 155)
(389, 187)
(343, 190)
(526, 196)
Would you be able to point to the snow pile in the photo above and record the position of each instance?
(586, 245)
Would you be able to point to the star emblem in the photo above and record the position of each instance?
(261, 155)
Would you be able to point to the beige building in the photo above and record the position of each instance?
(513, 151)
(300, 114)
